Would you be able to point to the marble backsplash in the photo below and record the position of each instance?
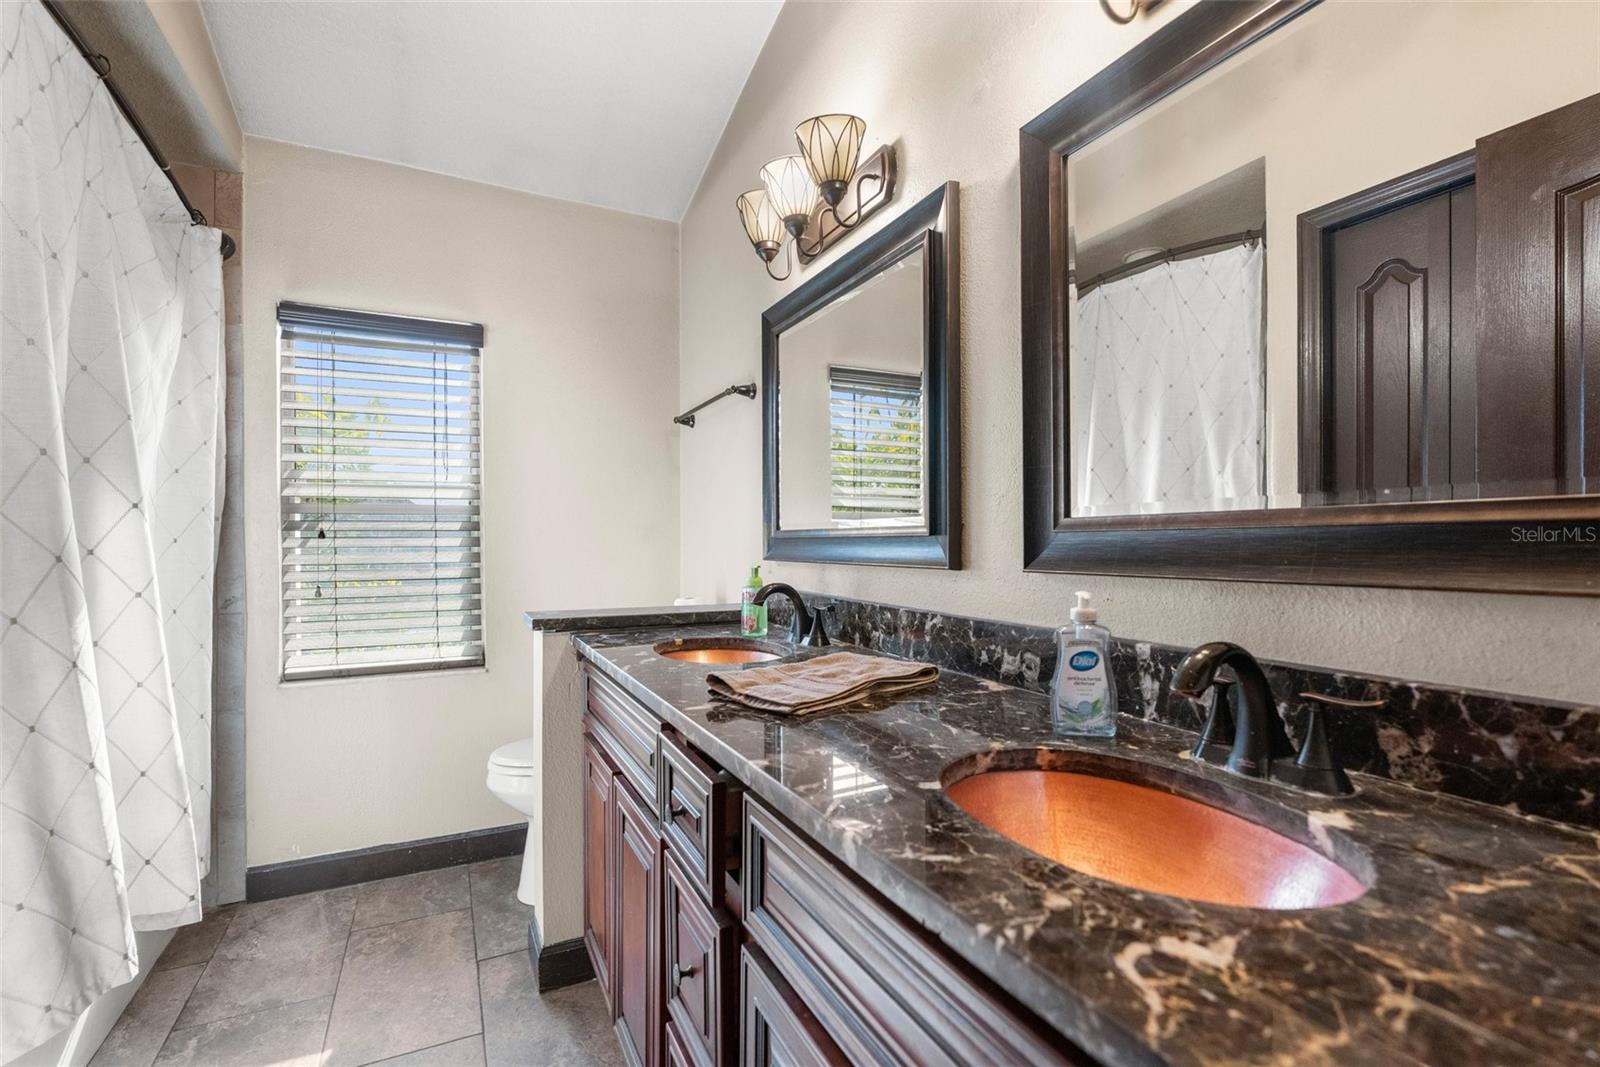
(1532, 756)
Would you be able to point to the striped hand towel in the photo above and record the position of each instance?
(820, 684)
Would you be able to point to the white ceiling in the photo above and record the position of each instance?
(617, 104)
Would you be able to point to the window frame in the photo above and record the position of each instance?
(353, 324)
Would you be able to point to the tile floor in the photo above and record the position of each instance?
(425, 970)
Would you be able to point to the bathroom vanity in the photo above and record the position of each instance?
(721, 934)
(765, 890)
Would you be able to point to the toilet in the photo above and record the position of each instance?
(511, 779)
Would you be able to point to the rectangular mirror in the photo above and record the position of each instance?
(860, 394)
(1306, 292)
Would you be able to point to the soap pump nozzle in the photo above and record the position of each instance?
(1082, 611)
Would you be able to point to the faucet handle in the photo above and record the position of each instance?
(817, 635)
(1315, 768)
(1216, 736)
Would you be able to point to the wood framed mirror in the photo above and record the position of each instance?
(860, 371)
(1308, 296)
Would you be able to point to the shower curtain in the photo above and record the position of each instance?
(1169, 413)
(110, 467)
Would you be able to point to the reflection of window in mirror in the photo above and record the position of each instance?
(851, 422)
(875, 447)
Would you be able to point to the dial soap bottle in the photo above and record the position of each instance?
(1083, 696)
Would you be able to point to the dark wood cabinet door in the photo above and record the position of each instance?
(599, 784)
(1391, 308)
(776, 1029)
(1539, 293)
(697, 965)
(636, 927)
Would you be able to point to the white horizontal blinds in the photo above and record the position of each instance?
(382, 548)
(876, 442)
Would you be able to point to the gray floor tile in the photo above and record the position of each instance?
(239, 985)
(308, 918)
(144, 1024)
(290, 1036)
(500, 920)
(274, 953)
(468, 1052)
(406, 986)
(411, 896)
(521, 1027)
(196, 942)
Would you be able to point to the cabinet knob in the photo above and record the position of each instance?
(680, 972)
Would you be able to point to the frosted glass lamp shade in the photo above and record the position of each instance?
(791, 192)
(831, 147)
(762, 224)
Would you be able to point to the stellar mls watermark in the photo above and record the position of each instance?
(1552, 534)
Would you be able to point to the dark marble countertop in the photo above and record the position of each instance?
(1478, 941)
(573, 620)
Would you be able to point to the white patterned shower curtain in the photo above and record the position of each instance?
(110, 465)
(1167, 398)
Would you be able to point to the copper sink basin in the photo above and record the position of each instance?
(1153, 840)
(721, 650)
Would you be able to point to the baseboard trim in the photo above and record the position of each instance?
(273, 880)
(561, 964)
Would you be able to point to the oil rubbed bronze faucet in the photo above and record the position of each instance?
(1260, 746)
(806, 627)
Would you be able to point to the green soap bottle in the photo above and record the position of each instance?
(752, 616)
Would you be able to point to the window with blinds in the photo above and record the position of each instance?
(382, 560)
(876, 448)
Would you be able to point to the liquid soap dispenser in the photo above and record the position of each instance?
(752, 616)
(1083, 696)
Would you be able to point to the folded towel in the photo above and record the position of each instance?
(813, 685)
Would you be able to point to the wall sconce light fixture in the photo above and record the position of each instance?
(763, 225)
(1131, 11)
(807, 201)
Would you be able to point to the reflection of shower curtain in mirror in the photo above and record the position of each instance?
(1167, 387)
(110, 382)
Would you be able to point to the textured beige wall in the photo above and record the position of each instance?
(190, 39)
(579, 306)
(951, 84)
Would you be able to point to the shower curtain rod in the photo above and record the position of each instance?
(1166, 254)
(102, 68)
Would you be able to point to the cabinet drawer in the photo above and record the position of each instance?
(697, 964)
(698, 808)
(879, 986)
(629, 729)
(776, 1030)
(674, 1051)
